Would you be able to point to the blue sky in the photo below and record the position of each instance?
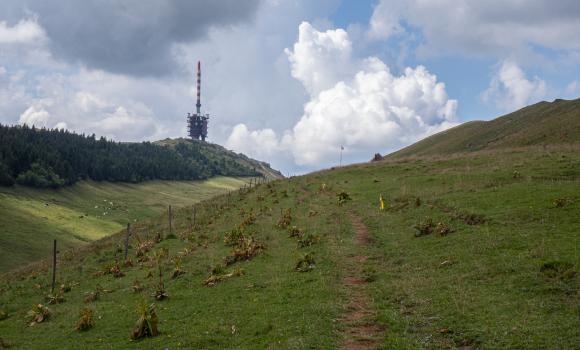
(466, 77)
(286, 81)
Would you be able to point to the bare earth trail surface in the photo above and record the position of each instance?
(361, 329)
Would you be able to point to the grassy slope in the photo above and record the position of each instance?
(480, 286)
(543, 123)
(32, 218)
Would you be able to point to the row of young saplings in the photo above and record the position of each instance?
(146, 325)
(147, 322)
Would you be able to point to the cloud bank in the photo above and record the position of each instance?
(481, 27)
(358, 104)
(132, 37)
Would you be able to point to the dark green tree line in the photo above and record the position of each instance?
(53, 158)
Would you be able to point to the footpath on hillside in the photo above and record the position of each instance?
(361, 330)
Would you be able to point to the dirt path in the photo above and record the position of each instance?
(361, 329)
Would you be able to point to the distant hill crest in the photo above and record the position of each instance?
(543, 123)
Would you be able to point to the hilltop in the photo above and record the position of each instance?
(213, 150)
(544, 123)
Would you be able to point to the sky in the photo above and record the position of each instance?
(288, 82)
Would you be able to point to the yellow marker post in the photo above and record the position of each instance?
(381, 202)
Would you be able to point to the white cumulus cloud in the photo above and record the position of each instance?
(358, 104)
(510, 89)
(35, 115)
(24, 32)
(319, 59)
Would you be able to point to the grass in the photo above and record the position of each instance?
(542, 124)
(505, 275)
(87, 211)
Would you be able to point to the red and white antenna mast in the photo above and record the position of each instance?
(198, 104)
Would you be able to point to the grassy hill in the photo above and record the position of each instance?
(75, 215)
(544, 123)
(470, 252)
(213, 150)
(45, 158)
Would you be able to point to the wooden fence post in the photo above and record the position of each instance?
(170, 217)
(53, 266)
(127, 240)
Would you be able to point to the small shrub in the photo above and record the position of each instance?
(418, 202)
(177, 271)
(442, 229)
(218, 269)
(92, 296)
(218, 275)
(560, 202)
(516, 174)
(285, 219)
(245, 250)
(86, 320)
(307, 240)
(146, 325)
(96, 295)
(160, 292)
(238, 271)
(144, 247)
(233, 237)
(113, 269)
(65, 288)
(212, 280)
(248, 220)
(343, 197)
(39, 313)
(424, 228)
(305, 262)
(294, 231)
(57, 298)
(3, 315)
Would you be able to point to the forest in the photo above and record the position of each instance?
(48, 158)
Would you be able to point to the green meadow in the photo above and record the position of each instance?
(75, 215)
(474, 251)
